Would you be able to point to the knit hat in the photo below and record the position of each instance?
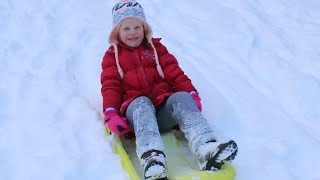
(127, 8)
(130, 9)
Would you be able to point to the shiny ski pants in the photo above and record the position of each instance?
(179, 109)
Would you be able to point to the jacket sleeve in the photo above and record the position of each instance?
(171, 69)
(110, 81)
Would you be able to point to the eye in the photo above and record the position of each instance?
(125, 29)
(137, 27)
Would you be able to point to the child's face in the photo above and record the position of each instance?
(131, 32)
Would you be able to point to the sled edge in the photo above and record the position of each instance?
(125, 160)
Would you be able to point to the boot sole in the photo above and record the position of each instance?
(159, 175)
(226, 153)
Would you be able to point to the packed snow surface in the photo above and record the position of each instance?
(256, 65)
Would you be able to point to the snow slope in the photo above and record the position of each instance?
(256, 65)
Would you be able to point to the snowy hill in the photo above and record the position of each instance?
(256, 65)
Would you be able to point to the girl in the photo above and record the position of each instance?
(145, 90)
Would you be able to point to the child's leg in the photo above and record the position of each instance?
(181, 108)
(150, 148)
(202, 141)
(164, 117)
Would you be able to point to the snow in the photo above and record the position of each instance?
(255, 63)
(141, 115)
(155, 167)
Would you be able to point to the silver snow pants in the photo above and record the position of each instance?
(179, 109)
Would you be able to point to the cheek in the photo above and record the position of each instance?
(141, 33)
(122, 35)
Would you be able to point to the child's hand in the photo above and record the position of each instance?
(195, 96)
(118, 125)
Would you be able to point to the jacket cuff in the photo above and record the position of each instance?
(109, 108)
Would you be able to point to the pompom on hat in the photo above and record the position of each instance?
(130, 9)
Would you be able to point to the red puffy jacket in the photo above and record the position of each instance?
(141, 77)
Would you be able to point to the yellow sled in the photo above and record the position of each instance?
(182, 164)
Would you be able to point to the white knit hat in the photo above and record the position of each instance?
(130, 9)
(127, 8)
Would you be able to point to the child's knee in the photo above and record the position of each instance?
(143, 102)
(179, 97)
(181, 94)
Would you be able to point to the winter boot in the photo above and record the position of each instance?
(214, 154)
(154, 163)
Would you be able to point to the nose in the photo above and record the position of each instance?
(132, 31)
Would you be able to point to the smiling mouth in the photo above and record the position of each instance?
(133, 39)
